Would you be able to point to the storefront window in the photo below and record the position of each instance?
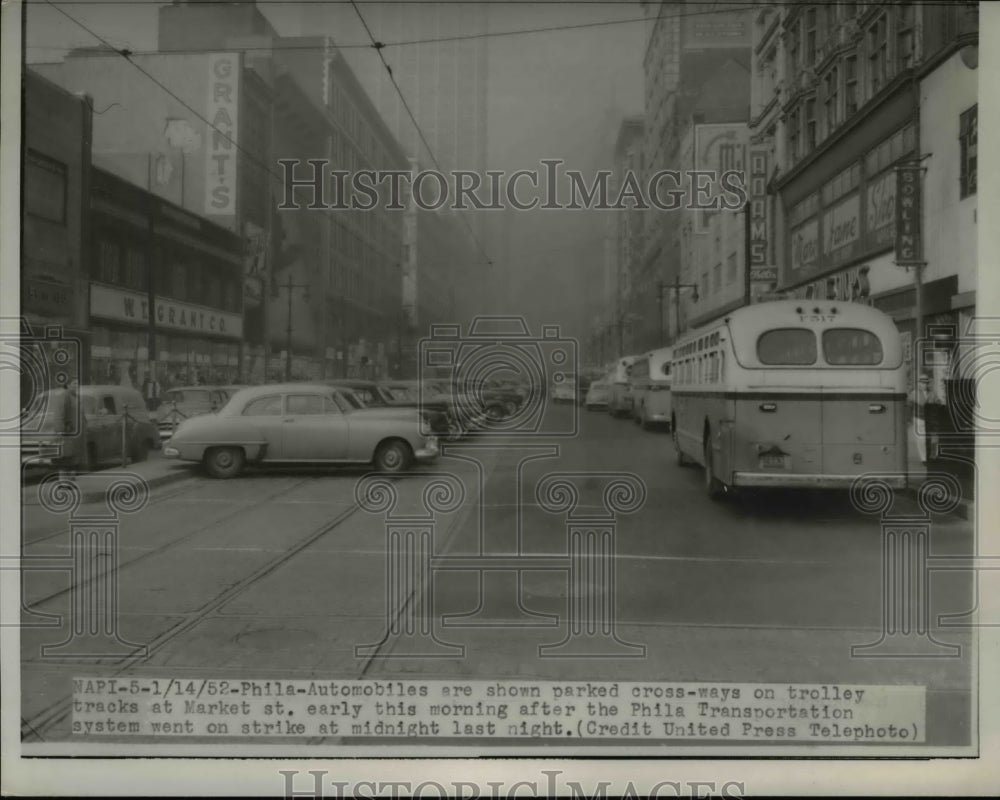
(810, 39)
(905, 26)
(44, 187)
(109, 255)
(878, 54)
(831, 100)
(850, 85)
(968, 138)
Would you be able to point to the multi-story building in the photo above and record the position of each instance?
(444, 79)
(205, 127)
(688, 43)
(620, 302)
(196, 268)
(54, 221)
(712, 254)
(845, 94)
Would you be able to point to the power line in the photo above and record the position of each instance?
(378, 49)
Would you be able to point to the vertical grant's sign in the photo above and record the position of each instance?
(221, 153)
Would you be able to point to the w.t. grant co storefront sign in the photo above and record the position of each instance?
(124, 306)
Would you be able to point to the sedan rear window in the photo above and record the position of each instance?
(851, 346)
(787, 347)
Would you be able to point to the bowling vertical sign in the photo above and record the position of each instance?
(221, 154)
(909, 244)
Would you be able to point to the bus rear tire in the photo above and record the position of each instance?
(715, 489)
(682, 460)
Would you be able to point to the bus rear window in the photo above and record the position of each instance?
(851, 346)
(787, 347)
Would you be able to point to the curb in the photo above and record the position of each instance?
(963, 508)
(174, 476)
(29, 495)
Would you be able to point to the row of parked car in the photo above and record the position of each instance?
(636, 387)
(390, 424)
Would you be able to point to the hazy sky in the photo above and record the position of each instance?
(554, 94)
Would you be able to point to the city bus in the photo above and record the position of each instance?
(650, 379)
(791, 393)
(619, 399)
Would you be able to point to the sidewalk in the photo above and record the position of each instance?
(963, 474)
(155, 472)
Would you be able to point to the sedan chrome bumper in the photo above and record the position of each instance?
(429, 451)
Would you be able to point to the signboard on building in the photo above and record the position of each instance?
(763, 275)
(710, 28)
(909, 249)
(718, 148)
(880, 210)
(122, 305)
(842, 230)
(223, 116)
(256, 243)
(856, 217)
(805, 246)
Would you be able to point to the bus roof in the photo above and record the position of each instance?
(747, 323)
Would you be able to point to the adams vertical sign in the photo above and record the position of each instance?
(221, 153)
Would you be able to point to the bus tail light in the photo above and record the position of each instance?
(876, 408)
(768, 408)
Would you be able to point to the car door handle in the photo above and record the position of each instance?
(289, 419)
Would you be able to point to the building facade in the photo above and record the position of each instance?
(694, 65)
(620, 300)
(322, 286)
(54, 223)
(196, 269)
(844, 97)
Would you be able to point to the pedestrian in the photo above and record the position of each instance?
(151, 392)
(74, 425)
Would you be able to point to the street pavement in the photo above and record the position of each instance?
(282, 574)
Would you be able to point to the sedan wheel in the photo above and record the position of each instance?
(224, 462)
(393, 456)
(140, 452)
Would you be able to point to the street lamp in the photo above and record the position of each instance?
(676, 286)
(288, 286)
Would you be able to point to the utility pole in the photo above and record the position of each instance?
(677, 286)
(659, 297)
(289, 287)
(151, 283)
(747, 259)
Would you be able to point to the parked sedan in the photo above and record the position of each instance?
(85, 433)
(184, 402)
(430, 396)
(300, 423)
(598, 395)
(564, 391)
(374, 395)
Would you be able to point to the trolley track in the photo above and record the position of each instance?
(36, 727)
